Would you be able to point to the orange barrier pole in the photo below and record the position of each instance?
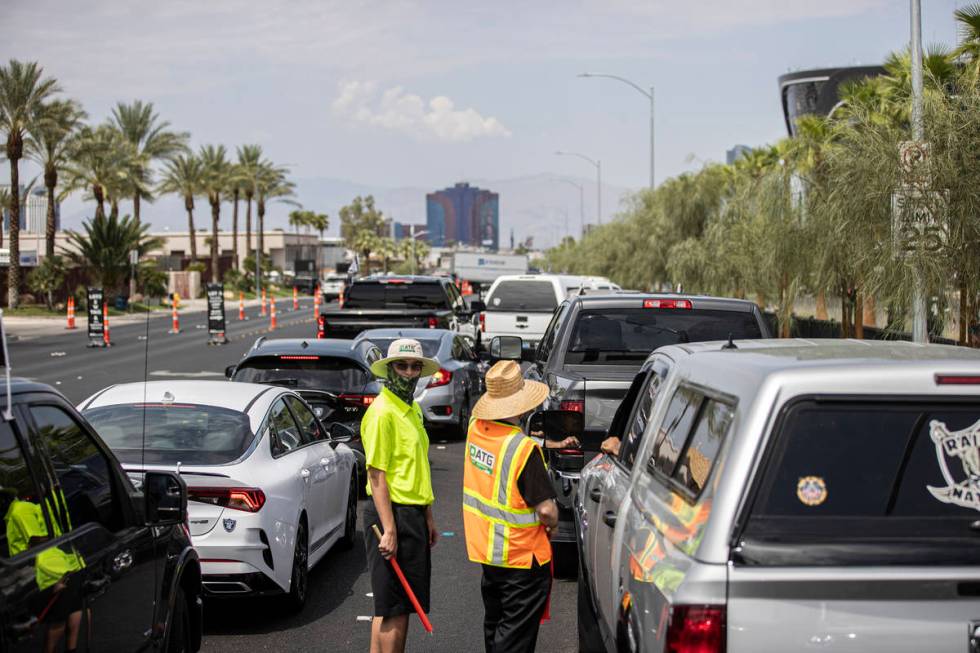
(405, 586)
(71, 313)
(241, 306)
(175, 328)
(316, 306)
(272, 319)
(105, 325)
(296, 298)
(340, 299)
(263, 303)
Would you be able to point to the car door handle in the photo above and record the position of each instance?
(305, 474)
(326, 462)
(609, 519)
(595, 494)
(21, 628)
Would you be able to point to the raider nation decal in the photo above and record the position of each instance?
(481, 459)
(963, 446)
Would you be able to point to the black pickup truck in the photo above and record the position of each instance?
(398, 302)
(592, 350)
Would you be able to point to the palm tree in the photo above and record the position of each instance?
(183, 176)
(102, 162)
(50, 146)
(236, 182)
(142, 129)
(249, 162)
(23, 93)
(103, 250)
(270, 184)
(214, 181)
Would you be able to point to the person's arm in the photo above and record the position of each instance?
(430, 521)
(611, 445)
(382, 503)
(547, 512)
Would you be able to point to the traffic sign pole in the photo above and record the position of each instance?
(919, 326)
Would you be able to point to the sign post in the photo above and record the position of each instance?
(216, 314)
(95, 300)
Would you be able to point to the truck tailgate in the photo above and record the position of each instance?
(602, 398)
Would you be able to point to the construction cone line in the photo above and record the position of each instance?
(176, 321)
(71, 313)
(241, 306)
(105, 325)
(272, 318)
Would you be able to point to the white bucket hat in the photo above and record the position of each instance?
(404, 349)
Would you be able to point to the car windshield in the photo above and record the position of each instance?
(333, 374)
(625, 336)
(430, 346)
(190, 434)
(525, 295)
(397, 294)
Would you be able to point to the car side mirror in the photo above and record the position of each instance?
(507, 348)
(340, 433)
(229, 371)
(166, 498)
(477, 306)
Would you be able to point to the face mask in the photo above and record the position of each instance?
(403, 388)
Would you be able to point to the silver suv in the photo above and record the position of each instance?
(788, 495)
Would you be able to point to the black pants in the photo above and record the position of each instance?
(413, 555)
(514, 600)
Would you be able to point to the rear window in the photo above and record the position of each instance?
(397, 294)
(625, 336)
(902, 476)
(174, 433)
(430, 346)
(528, 296)
(313, 373)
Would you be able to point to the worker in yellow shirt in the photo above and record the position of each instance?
(396, 449)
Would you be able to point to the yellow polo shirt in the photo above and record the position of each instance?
(395, 442)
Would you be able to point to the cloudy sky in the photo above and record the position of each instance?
(399, 93)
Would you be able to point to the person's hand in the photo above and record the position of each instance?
(433, 533)
(388, 546)
(610, 446)
(570, 441)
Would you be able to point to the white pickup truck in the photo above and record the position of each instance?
(522, 305)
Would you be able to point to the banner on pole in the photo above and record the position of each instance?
(94, 301)
(216, 313)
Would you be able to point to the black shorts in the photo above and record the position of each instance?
(414, 557)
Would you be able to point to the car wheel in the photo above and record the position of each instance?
(300, 575)
(589, 639)
(462, 428)
(179, 637)
(350, 519)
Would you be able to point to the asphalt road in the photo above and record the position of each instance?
(337, 615)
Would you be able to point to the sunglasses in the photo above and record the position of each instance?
(403, 366)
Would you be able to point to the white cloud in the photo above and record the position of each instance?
(396, 110)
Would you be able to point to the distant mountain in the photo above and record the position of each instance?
(538, 206)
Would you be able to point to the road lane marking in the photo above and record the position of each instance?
(370, 595)
(441, 446)
(362, 617)
(58, 354)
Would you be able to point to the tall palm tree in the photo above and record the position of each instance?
(237, 181)
(183, 175)
(214, 181)
(270, 184)
(249, 161)
(101, 161)
(50, 146)
(143, 129)
(23, 93)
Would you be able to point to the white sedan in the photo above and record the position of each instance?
(270, 489)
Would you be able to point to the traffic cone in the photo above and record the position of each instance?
(176, 321)
(71, 313)
(340, 298)
(241, 306)
(296, 298)
(316, 306)
(272, 315)
(105, 325)
(263, 303)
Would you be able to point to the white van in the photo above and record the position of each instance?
(522, 304)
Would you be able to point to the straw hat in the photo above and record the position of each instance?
(508, 394)
(404, 349)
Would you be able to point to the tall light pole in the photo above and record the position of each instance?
(581, 204)
(598, 179)
(646, 94)
(920, 331)
(413, 235)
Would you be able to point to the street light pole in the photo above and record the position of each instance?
(598, 180)
(581, 204)
(649, 96)
(920, 331)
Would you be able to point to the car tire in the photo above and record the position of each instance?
(463, 427)
(299, 576)
(589, 639)
(179, 637)
(350, 518)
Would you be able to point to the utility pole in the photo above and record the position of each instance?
(920, 331)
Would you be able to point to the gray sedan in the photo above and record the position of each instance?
(447, 396)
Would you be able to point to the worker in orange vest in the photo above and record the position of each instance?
(509, 510)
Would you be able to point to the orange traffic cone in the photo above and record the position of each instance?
(175, 328)
(71, 313)
(105, 325)
(241, 306)
(272, 315)
(316, 306)
(340, 298)
(263, 303)
(296, 298)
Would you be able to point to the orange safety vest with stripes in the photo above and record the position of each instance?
(501, 529)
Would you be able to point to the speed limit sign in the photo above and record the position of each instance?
(918, 221)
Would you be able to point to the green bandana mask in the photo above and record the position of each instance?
(403, 388)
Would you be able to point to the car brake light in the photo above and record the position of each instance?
(298, 357)
(958, 379)
(321, 327)
(577, 406)
(571, 452)
(483, 322)
(249, 499)
(696, 629)
(667, 303)
(359, 400)
(433, 323)
(440, 378)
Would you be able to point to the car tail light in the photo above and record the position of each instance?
(297, 357)
(696, 629)
(433, 323)
(571, 452)
(958, 379)
(667, 303)
(321, 327)
(577, 406)
(361, 401)
(249, 499)
(440, 378)
(483, 322)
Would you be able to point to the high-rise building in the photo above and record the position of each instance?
(815, 92)
(33, 211)
(464, 215)
(400, 230)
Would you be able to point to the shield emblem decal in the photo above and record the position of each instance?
(229, 524)
(963, 480)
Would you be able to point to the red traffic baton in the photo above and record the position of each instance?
(405, 586)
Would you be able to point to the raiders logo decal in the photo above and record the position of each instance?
(963, 479)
